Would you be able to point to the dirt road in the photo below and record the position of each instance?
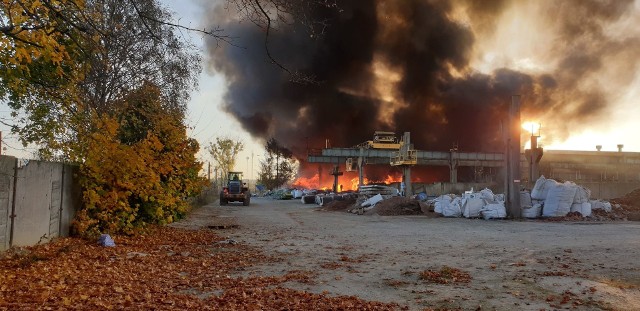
(513, 265)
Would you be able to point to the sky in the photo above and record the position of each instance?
(206, 119)
(518, 43)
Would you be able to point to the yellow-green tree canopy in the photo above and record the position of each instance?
(224, 152)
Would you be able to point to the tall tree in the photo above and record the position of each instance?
(279, 166)
(102, 50)
(225, 152)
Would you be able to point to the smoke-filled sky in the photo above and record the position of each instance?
(443, 70)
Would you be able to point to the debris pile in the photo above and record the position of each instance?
(370, 196)
(396, 206)
(628, 206)
(370, 199)
(340, 205)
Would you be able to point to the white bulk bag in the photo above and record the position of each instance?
(559, 200)
(542, 187)
(582, 195)
(453, 209)
(487, 194)
(598, 204)
(441, 202)
(471, 207)
(494, 210)
(525, 199)
(532, 212)
(583, 208)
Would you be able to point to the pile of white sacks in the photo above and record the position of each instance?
(471, 205)
(550, 198)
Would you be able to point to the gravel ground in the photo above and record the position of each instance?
(512, 265)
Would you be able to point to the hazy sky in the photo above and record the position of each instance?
(206, 119)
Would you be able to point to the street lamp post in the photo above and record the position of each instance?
(248, 176)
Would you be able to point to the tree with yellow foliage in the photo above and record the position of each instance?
(140, 167)
(104, 83)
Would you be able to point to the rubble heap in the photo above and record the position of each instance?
(396, 206)
(628, 206)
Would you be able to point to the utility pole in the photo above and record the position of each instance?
(215, 178)
(209, 171)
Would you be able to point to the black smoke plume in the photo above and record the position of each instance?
(439, 98)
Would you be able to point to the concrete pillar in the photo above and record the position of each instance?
(406, 177)
(453, 167)
(361, 168)
(453, 174)
(513, 159)
(336, 173)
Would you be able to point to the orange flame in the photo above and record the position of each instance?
(391, 179)
(307, 183)
(314, 182)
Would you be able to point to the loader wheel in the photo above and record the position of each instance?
(246, 201)
(222, 200)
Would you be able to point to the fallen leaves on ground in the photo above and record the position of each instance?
(567, 297)
(166, 269)
(445, 275)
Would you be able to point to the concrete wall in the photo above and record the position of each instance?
(46, 198)
(609, 190)
(7, 165)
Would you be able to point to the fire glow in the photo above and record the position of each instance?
(532, 127)
(352, 184)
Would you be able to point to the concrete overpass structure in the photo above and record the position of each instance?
(453, 159)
